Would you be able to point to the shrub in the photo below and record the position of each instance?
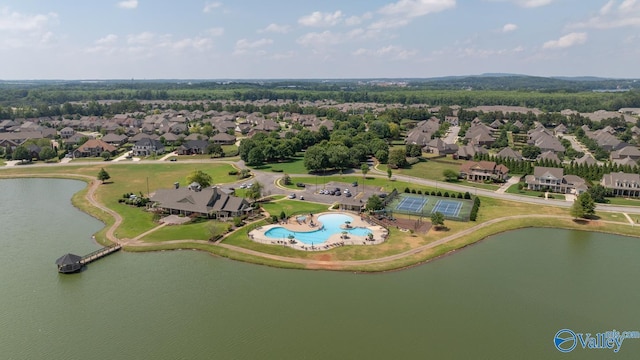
(467, 195)
(459, 196)
(277, 170)
(412, 160)
(283, 215)
(446, 194)
(406, 190)
(433, 193)
(420, 192)
(413, 191)
(438, 193)
(274, 219)
(237, 221)
(233, 172)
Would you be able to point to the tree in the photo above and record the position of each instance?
(103, 175)
(200, 177)
(255, 191)
(397, 158)
(583, 206)
(47, 153)
(437, 219)
(256, 157)
(215, 150)
(598, 193)
(106, 155)
(374, 203)
(389, 173)
(21, 153)
(315, 158)
(450, 174)
(530, 152)
(365, 169)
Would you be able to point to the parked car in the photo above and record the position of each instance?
(301, 197)
(292, 196)
(355, 183)
(173, 159)
(243, 186)
(347, 194)
(300, 185)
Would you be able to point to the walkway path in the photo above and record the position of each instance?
(512, 181)
(629, 218)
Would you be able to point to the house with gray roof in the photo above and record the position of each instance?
(509, 153)
(147, 147)
(630, 151)
(622, 184)
(553, 180)
(439, 147)
(549, 156)
(223, 139)
(208, 202)
(468, 152)
(586, 160)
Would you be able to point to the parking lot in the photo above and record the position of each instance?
(322, 193)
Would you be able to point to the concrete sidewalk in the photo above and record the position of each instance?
(512, 181)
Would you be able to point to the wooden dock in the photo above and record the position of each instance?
(100, 253)
(71, 263)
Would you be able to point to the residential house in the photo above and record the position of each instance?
(479, 134)
(586, 159)
(115, 139)
(546, 142)
(553, 180)
(622, 184)
(67, 132)
(483, 171)
(93, 148)
(509, 153)
(147, 147)
(208, 202)
(223, 139)
(192, 147)
(631, 152)
(467, 152)
(439, 147)
(560, 130)
(549, 156)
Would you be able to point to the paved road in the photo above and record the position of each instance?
(452, 135)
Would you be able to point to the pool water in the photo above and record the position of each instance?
(331, 225)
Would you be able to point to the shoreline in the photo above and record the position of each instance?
(413, 257)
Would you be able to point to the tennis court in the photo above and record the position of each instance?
(450, 208)
(425, 205)
(412, 204)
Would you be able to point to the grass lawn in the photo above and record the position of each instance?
(624, 201)
(513, 189)
(294, 165)
(428, 169)
(89, 159)
(199, 230)
(293, 207)
(230, 150)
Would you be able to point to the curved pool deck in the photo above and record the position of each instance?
(334, 240)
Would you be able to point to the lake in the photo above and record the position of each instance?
(504, 298)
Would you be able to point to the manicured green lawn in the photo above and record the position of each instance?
(429, 169)
(293, 166)
(200, 230)
(293, 207)
(230, 150)
(513, 189)
(89, 159)
(624, 202)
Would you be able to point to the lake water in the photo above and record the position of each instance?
(504, 298)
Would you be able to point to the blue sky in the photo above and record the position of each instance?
(248, 39)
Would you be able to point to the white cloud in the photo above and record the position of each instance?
(415, 8)
(606, 9)
(210, 6)
(15, 21)
(566, 41)
(128, 4)
(627, 14)
(319, 39)
(357, 20)
(391, 51)
(109, 39)
(243, 45)
(509, 28)
(389, 23)
(217, 31)
(141, 38)
(275, 28)
(320, 19)
(534, 3)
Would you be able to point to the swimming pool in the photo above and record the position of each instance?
(331, 225)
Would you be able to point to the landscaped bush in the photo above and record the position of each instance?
(446, 194)
(459, 196)
(277, 170)
(237, 221)
(467, 195)
(274, 219)
(420, 192)
(412, 160)
(433, 193)
(233, 172)
(439, 193)
(413, 191)
(406, 190)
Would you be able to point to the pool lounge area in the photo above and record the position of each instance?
(318, 232)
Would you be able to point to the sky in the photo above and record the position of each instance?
(328, 39)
